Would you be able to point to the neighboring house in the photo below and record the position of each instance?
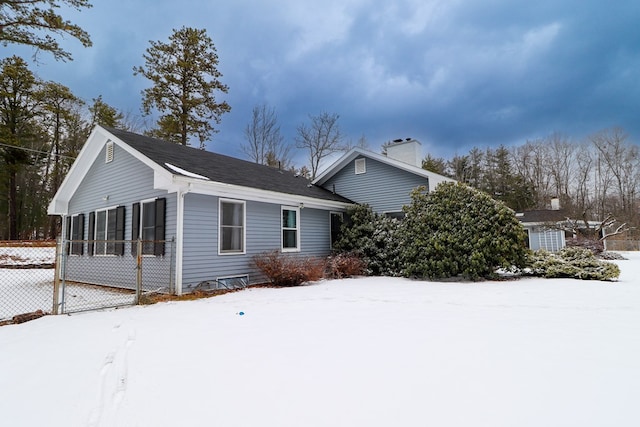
(547, 228)
(542, 229)
(384, 182)
(208, 214)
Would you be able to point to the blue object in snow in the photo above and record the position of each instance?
(241, 313)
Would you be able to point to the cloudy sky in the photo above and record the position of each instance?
(453, 74)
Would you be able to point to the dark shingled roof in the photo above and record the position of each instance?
(224, 169)
(543, 215)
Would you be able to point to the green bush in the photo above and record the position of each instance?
(457, 231)
(571, 262)
(372, 238)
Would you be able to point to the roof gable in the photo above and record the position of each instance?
(346, 159)
(189, 165)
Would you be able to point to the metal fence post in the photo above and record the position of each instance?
(56, 276)
(172, 259)
(63, 275)
(139, 271)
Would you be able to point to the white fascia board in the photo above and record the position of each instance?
(97, 139)
(232, 191)
(337, 165)
(59, 205)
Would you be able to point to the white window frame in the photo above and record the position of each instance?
(244, 227)
(296, 228)
(360, 166)
(104, 242)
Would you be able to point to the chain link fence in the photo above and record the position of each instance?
(622, 245)
(38, 278)
(106, 273)
(26, 279)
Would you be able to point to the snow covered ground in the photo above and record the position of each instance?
(357, 352)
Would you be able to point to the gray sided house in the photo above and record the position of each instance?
(384, 182)
(203, 215)
(217, 211)
(542, 229)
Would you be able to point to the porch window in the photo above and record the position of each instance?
(290, 229)
(75, 232)
(107, 228)
(231, 231)
(148, 224)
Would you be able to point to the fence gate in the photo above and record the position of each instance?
(98, 274)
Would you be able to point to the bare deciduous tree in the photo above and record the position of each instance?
(264, 142)
(623, 162)
(321, 138)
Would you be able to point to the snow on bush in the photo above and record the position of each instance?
(458, 231)
(572, 262)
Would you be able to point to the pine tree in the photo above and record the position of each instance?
(18, 103)
(184, 77)
(32, 22)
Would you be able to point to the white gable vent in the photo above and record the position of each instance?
(361, 166)
(109, 152)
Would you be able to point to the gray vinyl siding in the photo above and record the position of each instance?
(122, 182)
(201, 262)
(383, 187)
(547, 239)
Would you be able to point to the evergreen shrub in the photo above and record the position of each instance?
(372, 238)
(571, 262)
(459, 232)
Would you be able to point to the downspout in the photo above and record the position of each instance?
(179, 239)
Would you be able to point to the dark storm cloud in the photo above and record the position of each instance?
(451, 73)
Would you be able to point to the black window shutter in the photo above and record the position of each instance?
(68, 232)
(159, 232)
(135, 228)
(92, 233)
(80, 235)
(119, 247)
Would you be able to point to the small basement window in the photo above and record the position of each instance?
(361, 166)
(233, 282)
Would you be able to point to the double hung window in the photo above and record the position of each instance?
(107, 228)
(148, 225)
(290, 229)
(75, 232)
(232, 227)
